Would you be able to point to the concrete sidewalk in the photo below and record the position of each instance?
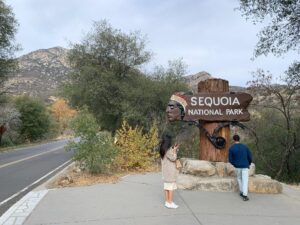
(139, 200)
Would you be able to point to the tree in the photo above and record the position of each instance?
(150, 94)
(106, 70)
(280, 36)
(8, 25)
(62, 113)
(281, 122)
(35, 119)
(108, 81)
(110, 49)
(166, 82)
(283, 32)
(9, 121)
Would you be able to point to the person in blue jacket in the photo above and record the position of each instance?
(240, 157)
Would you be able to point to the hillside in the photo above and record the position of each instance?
(193, 80)
(40, 72)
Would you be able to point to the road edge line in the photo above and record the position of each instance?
(35, 182)
(44, 185)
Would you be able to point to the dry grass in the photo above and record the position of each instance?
(74, 177)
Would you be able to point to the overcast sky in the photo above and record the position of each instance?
(208, 34)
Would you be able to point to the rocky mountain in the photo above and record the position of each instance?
(40, 72)
(193, 80)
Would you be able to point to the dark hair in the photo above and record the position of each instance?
(236, 137)
(165, 144)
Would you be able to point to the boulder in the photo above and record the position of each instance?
(221, 169)
(198, 168)
(252, 169)
(188, 182)
(264, 184)
(217, 184)
(257, 184)
(65, 180)
(220, 176)
(230, 170)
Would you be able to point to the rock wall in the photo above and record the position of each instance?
(221, 177)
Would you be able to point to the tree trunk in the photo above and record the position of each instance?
(2, 131)
(284, 162)
(207, 150)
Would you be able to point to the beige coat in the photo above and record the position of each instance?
(168, 166)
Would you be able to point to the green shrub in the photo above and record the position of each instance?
(95, 149)
(35, 118)
(189, 140)
(186, 135)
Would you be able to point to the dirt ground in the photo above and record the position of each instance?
(296, 186)
(74, 177)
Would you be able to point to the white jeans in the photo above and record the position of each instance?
(242, 175)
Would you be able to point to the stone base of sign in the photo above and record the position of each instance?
(219, 176)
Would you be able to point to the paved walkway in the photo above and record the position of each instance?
(138, 200)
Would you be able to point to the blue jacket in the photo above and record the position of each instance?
(240, 156)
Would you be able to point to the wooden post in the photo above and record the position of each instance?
(207, 151)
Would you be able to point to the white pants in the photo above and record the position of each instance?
(242, 175)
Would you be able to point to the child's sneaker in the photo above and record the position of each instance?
(168, 205)
(174, 206)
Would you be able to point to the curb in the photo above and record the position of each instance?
(60, 173)
(17, 214)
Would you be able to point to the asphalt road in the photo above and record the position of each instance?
(23, 169)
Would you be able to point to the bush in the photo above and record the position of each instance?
(95, 149)
(62, 114)
(189, 140)
(54, 128)
(10, 124)
(35, 118)
(137, 150)
(186, 135)
(273, 139)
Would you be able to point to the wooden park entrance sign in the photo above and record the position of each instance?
(218, 107)
(212, 109)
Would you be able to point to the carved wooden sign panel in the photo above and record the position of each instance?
(222, 106)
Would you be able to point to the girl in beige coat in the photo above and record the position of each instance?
(168, 155)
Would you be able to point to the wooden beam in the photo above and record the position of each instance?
(207, 150)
